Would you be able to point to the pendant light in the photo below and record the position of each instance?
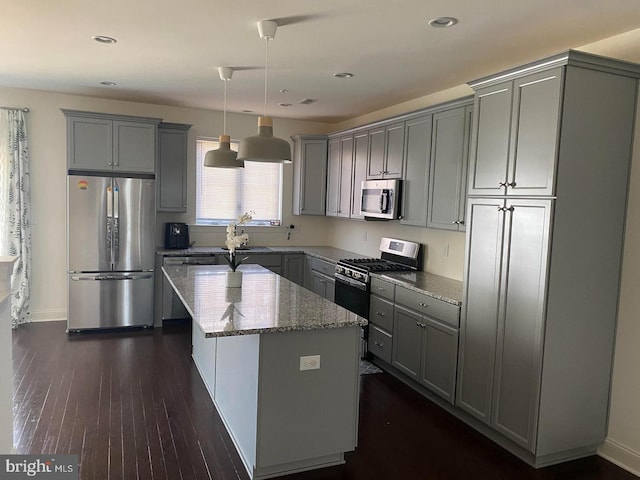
(223, 156)
(264, 147)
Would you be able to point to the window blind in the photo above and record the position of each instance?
(223, 194)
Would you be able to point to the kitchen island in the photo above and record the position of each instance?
(280, 364)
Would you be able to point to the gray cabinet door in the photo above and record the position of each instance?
(134, 147)
(479, 317)
(520, 330)
(407, 342)
(394, 150)
(415, 186)
(375, 164)
(294, 268)
(381, 313)
(465, 169)
(309, 175)
(346, 176)
(534, 138)
(490, 149)
(360, 156)
(171, 178)
(447, 163)
(89, 143)
(333, 177)
(439, 358)
(323, 285)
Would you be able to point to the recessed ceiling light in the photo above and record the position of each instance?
(247, 111)
(108, 83)
(443, 22)
(343, 75)
(285, 104)
(104, 39)
(283, 91)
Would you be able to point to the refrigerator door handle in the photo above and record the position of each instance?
(109, 224)
(112, 276)
(116, 223)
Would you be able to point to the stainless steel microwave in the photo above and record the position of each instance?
(380, 199)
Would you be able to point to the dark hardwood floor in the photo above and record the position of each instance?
(132, 406)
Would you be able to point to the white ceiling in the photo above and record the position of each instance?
(168, 51)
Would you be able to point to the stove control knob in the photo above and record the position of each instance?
(339, 269)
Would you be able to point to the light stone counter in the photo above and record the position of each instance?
(266, 303)
(436, 286)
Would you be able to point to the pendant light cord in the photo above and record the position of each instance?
(266, 68)
(224, 116)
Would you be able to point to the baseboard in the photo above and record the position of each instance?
(51, 315)
(620, 455)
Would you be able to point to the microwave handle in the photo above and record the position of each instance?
(384, 200)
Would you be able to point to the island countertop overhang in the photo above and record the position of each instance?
(266, 302)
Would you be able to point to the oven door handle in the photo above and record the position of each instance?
(350, 281)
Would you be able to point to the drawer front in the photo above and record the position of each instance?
(379, 344)
(383, 289)
(381, 313)
(266, 260)
(323, 266)
(426, 305)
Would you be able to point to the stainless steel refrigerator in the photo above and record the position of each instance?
(110, 251)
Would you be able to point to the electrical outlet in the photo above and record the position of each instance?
(311, 362)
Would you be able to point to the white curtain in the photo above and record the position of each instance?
(15, 209)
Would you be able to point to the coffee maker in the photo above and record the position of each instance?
(176, 236)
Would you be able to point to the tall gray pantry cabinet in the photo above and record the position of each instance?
(548, 184)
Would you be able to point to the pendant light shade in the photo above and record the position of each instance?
(264, 147)
(223, 156)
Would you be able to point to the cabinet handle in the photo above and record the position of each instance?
(422, 304)
(505, 209)
(455, 222)
(382, 289)
(502, 184)
(511, 184)
(378, 344)
(421, 325)
(380, 314)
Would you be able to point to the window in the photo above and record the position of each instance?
(223, 194)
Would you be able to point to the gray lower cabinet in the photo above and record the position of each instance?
(171, 177)
(320, 278)
(381, 302)
(501, 346)
(448, 168)
(339, 176)
(309, 174)
(425, 348)
(103, 142)
(269, 261)
(293, 267)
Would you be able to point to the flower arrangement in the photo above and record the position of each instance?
(235, 241)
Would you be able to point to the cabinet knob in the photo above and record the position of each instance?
(380, 314)
(456, 222)
(511, 184)
(502, 184)
(378, 344)
(422, 304)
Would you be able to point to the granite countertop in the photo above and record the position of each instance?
(442, 288)
(436, 286)
(266, 303)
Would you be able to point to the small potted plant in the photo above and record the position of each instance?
(233, 242)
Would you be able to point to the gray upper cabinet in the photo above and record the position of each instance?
(339, 176)
(448, 168)
(386, 151)
(415, 187)
(171, 178)
(360, 156)
(542, 269)
(103, 142)
(309, 174)
(516, 136)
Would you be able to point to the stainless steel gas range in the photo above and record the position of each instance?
(352, 275)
